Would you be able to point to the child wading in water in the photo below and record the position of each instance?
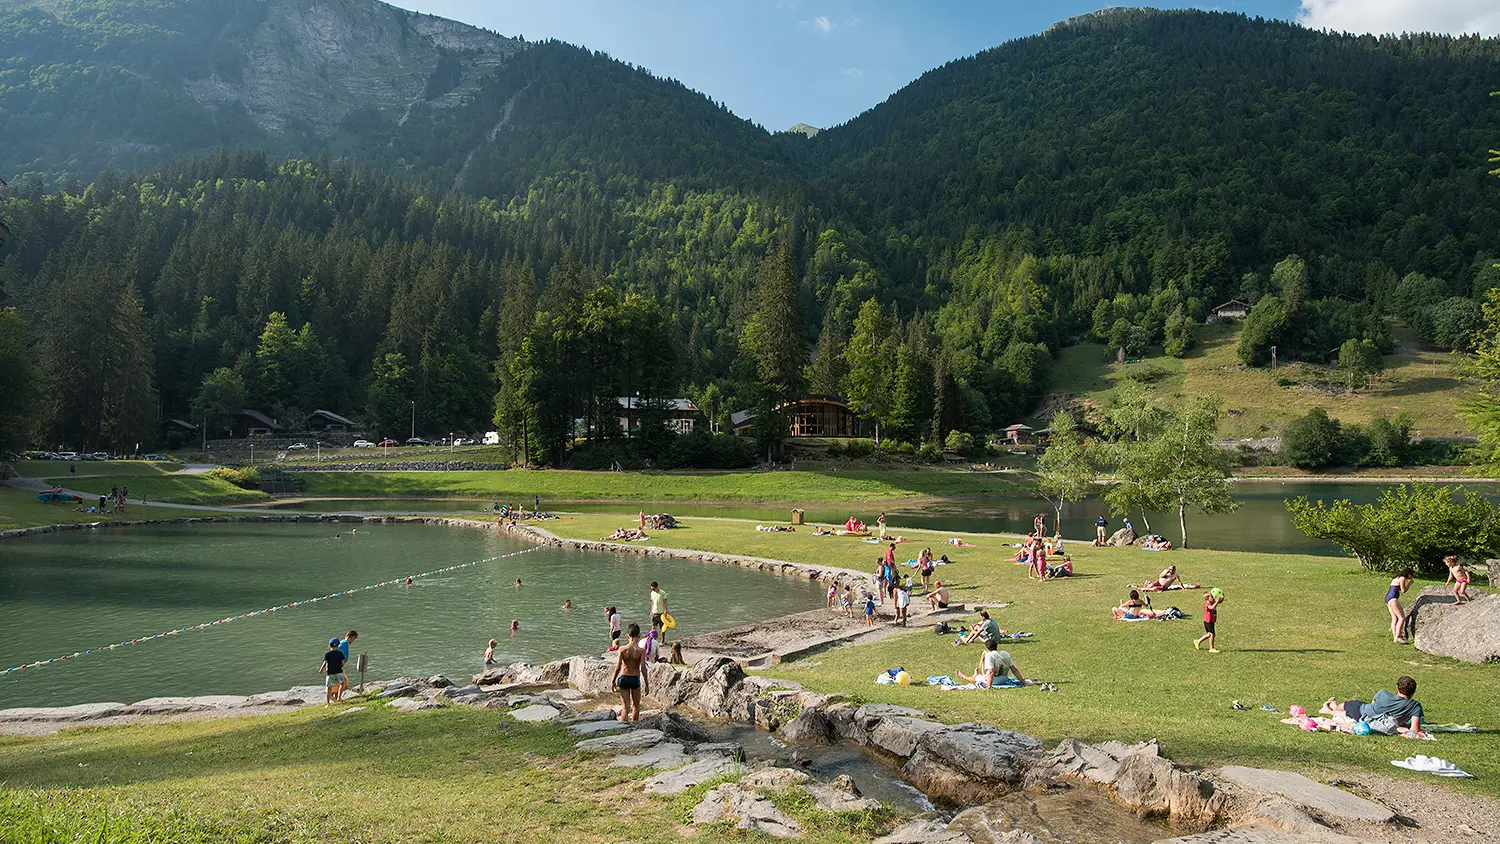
(1211, 603)
(1460, 577)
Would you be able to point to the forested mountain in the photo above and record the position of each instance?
(1113, 177)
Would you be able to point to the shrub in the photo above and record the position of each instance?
(855, 449)
(1311, 441)
(930, 453)
(1145, 373)
(1415, 525)
(1283, 381)
(1455, 322)
(245, 478)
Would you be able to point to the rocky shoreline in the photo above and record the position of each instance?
(972, 769)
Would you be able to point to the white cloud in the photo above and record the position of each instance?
(853, 72)
(1397, 16)
(822, 23)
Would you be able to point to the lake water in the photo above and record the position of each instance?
(1261, 523)
(73, 591)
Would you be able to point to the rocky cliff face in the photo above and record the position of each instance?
(310, 63)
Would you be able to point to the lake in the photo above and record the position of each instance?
(73, 591)
(1261, 523)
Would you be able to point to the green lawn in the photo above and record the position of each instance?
(565, 485)
(1419, 381)
(169, 489)
(450, 776)
(20, 508)
(1294, 630)
(157, 481)
(108, 468)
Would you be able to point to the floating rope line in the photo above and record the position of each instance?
(402, 579)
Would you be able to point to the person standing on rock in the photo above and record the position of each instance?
(658, 609)
(614, 627)
(344, 644)
(333, 667)
(630, 675)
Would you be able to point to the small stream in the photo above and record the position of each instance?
(1081, 815)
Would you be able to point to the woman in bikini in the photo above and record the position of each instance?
(1399, 584)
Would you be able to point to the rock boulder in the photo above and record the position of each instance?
(592, 675)
(747, 809)
(970, 762)
(811, 726)
(1470, 632)
(1152, 785)
(1122, 537)
(898, 734)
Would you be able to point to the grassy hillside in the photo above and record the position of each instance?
(1417, 381)
(20, 508)
(155, 481)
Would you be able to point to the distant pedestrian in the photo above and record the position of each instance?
(1101, 527)
(869, 610)
(614, 626)
(1211, 603)
(1398, 586)
(903, 603)
(333, 668)
(658, 610)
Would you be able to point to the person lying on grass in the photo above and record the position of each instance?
(994, 667)
(1164, 581)
(1387, 713)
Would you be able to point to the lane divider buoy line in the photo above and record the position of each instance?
(393, 581)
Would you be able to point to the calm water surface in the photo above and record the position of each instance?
(1261, 523)
(73, 591)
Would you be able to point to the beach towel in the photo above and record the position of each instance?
(1431, 765)
(1007, 683)
(960, 543)
(1449, 728)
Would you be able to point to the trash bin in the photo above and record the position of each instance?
(797, 515)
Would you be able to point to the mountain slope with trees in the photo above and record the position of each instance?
(465, 247)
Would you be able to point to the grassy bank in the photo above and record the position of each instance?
(1421, 382)
(156, 481)
(20, 508)
(456, 775)
(517, 485)
(1294, 630)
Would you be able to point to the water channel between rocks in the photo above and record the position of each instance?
(73, 591)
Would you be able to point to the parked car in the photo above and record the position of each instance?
(388, 442)
(158, 458)
(297, 447)
(463, 441)
(418, 441)
(66, 455)
(363, 444)
(101, 455)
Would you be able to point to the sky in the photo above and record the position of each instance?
(823, 62)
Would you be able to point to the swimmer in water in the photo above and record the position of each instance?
(518, 583)
(567, 603)
(408, 582)
(514, 625)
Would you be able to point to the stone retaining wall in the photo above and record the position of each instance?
(821, 574)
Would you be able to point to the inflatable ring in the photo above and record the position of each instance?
(668, 621)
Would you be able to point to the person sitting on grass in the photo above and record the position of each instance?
(1133, 607)
(1400, 710)
(937, 599)
(994, 667)
(985, 630)
(1165, 580)
(1063, 569)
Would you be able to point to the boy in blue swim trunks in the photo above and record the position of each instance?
(630, 675)
(869, 610)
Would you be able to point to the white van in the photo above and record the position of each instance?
(491, 437)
